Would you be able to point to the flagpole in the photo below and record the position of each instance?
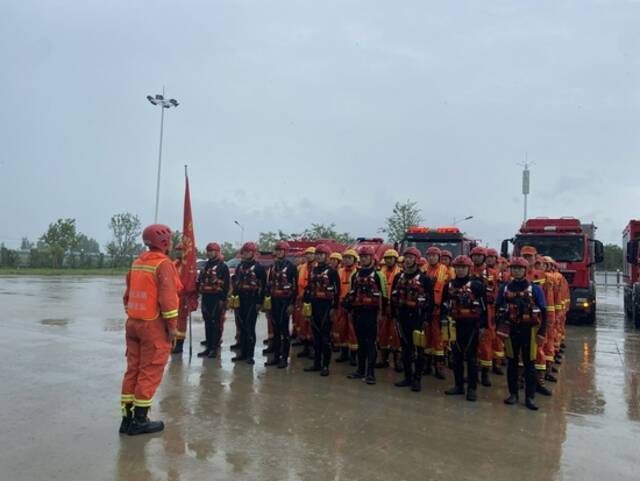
(190, 324)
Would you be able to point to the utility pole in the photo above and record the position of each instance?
(526, 184)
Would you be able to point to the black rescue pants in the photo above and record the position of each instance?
(365, 323)
(248, 314)
(412, 356)
(466, 346)
(520, 339)
(281, 336)
(321, 329)
(212, 315)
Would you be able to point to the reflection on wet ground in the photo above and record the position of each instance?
(225, 421)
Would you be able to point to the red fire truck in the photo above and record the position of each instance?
(631, 274)
(449, 238)
(573, 246)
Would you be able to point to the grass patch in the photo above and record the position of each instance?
(28, 271)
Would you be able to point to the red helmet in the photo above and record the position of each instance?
(213, 246)
(323, 249)
(157, 236)
(462, 261)
(249, 246)
(434, 250)
(281, 244)
(492, 252)
(412, 251)
(445, 253)
(528, 251)
(180, 247)
(366, 251)
(421, 261)
(519, 262)
(478, 251)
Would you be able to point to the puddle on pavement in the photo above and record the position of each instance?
(55, 322)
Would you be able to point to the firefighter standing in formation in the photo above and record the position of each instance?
(388, 339)
(188, 303)
(213, 284)
(366, 300)
(346, 336)
(411, 307)
(439, 274)
(283, 290)
(465, 306)
(151, 301)
(522, 323)
(321, 296)
(301, 322)
(250, 285)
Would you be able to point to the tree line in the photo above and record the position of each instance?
(63, 246)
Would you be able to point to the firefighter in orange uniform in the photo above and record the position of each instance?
(498, 344)
(388, 340)
(346, 335)
(537, 277)
(303, 327)
(488, 277)
(552, 292)
(187, 304)
(151, 300)
(446, 257)
(439, 275)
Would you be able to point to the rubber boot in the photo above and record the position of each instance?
(275, 361)
(397, 363)
(203, 343)
(511, 400)
(269, 349)
(305, 349)
(283, 363)
(371, 377)
(540, 387)
(496, 369)
(416, 385)
(471, 395)
(384, 362)
(204, 353)
(404, 383)
(324, 372)
(127, 415)
(213, 353)
(233, 347)
(455, 391)
(438, 369)
(344, 354)
(530, 404)
(140, 424)
(177, 349)
(485, 381)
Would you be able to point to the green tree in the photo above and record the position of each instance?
(612, 258)
(60, 238)
(404, 216)
(126, 229)
(26, 244)
(87, 245)
(266, 240)
(228, 251)
(8, 257)
(176, 238)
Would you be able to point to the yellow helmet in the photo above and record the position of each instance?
(351, 252)
(310, 250)
(391, 253)
(336, 255)
(400, 259)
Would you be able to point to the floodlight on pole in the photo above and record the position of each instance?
(159, 101)
(469, 217)
(241, 231)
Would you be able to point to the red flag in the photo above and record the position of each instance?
(188, 274)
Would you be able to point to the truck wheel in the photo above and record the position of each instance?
(591, 318)
(636, 315)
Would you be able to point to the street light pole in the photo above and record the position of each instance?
(163, 103)
(241, 231)
(469, 217)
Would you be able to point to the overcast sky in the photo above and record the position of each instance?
(293, 112)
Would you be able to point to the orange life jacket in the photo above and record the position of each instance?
(143, 300)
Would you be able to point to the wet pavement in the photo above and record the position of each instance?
(63, 351)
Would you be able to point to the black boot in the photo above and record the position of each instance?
(384, 362)
(404, 383)
(213, 353)
(485, 381)
(127, 415)
(455, 391)
(416, 385)
(204, 353)
(238, 358)
(530, 404)
(397, 364)
(438, 374)
(496, 369)
(305, 351)
(314, 368)
(344, 355)
(203, 343)
(274, 362)
(140, 423)
(542, 389)
(471, 395)
(177, 349)
(235, 347)
(550, 377)
(283, 363)
(511, 400)
(355, 375)
(325, 371)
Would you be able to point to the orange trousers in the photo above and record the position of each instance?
(147, 353)
(434, 342)
(302, 326)
(487, 341)
(388, 334)
(344, 335)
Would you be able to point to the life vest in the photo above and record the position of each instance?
(345, 280)
(464, 306)
(246, 279)
(210, 281)
(279, 284)
(409, 292)
(488, 279)
(520, 307)
(366, 292)
(320, 286)
(143, 300)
